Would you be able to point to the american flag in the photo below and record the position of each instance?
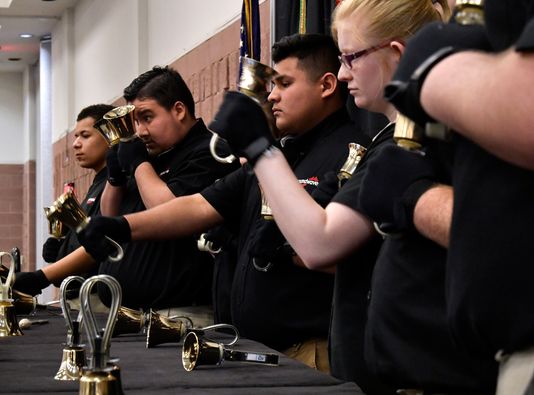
(250, 30)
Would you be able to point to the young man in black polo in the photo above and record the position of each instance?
(287, 307)
(90, 149)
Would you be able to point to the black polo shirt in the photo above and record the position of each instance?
(171, 273)
(490, 268)
(407, 343)
(287, 304)
(91, 205)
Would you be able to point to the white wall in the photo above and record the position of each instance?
(103, 44)
(12, 118)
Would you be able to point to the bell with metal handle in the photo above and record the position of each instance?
(101, 376)
(55, 227)
(73, 358)
(197, 351)
(68, 211)
(356, 153)
(253, 82)
(129, 321)
(117, 125)
(9, 325)
(162, 329)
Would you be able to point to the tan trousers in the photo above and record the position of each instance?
(313, 353)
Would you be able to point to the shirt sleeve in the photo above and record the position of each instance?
(526, 40)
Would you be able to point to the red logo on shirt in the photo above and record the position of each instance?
(314, 181)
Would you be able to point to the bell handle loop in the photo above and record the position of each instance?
(120, 252)
(214, 327)
(213, 149)
(65, 307)
(99, 339)
(5, 288)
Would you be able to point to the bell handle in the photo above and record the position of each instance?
(213, 149)
(120, 251)
(215, 327)
(65, 307)
(5, 288)
(100, 339)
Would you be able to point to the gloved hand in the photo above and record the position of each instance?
(93, 239)
(50, 249)
(393, 183)
(116, 174)
(221, 237)
(131, 154)
(268, 246)
(428, 47)
(31, 283)
(243, 124)
(326, 189)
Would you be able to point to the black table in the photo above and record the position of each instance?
(28, 364)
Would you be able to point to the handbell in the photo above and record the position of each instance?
(253, 82)
(408, 134)
(68, 211)
(162, 329)
(197, 351)
(101, 376)
(118, 124)
(356, 153)
(9, 325)
(266, 212)
(73, 358)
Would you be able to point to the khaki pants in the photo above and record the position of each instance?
(515, 373)
(313, 353)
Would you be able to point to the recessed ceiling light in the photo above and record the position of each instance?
(5, 3)
(13, 59)
(25, 35)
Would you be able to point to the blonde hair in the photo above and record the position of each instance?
(390, 19)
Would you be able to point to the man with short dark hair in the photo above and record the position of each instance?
(90, 149)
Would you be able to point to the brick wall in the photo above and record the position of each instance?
(11, 207)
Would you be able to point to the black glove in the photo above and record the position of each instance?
(326, 189)
(131, 154)
(31, 283)
(428, 47)
(393, 183)
(268, 246)
(243, 124)
(221, 237)
(93, 239)
(116, 174)
(50, 249)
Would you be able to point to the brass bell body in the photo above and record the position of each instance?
(129, 321)
(356, 153)
(196, 352)
(55, 227)
(469, 12)
(266, 211)
(9, 325)
(71, 364)
(162, 329)
(101, 382)
(117, 124)
(408, 134)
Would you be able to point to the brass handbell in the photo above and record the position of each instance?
(469, 12)
(266, 211)
(117, 125)
(101, 376)
(162, 329)
(68, 211)
(73, 358)
(55, 227)
(253, 82)
(356, 153)
(129, 321)
(9, 325)
(197, 351)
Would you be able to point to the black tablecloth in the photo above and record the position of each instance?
(28, 364)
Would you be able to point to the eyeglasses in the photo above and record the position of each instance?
(351, 57)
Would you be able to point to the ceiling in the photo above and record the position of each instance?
(36, 17)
